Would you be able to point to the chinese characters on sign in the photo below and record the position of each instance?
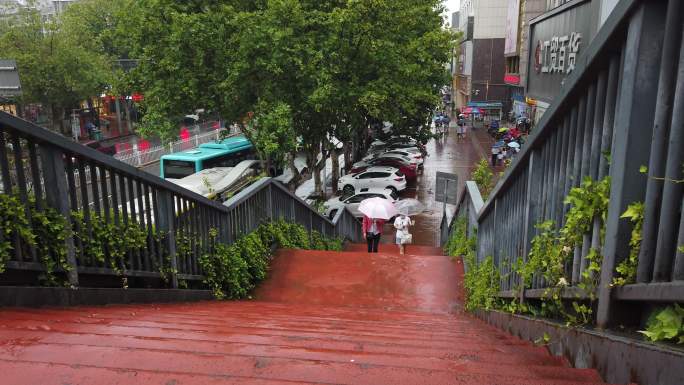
(558, 55)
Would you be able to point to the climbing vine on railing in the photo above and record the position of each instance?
(13, 222)
(627, 269)
(108, 241)
(482, 283)
(45, 232)
(551, 250)
(51, 230)
(666, 325)
(483, 177)
(232, 271)
(481, 280)
(458, 244)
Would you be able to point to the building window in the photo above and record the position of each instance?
(513, 65)
(551, 4)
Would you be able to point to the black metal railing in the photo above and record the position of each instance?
(620, 113)
(46, 171)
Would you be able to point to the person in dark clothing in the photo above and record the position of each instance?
(372, 231)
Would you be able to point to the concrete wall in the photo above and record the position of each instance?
(467, 58)
(490, 19)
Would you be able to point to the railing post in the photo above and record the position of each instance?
(633, 128)
(167, 225)
(52, 161)
(532, 204)
(269, 202)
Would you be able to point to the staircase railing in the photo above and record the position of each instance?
(469, 205)
(46, 171)
(620, 114)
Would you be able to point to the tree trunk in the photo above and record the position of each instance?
(296, 176)
(127, 117)
(335, 157)
(58, 119)
(316, 167)
(318, 187)
(347, 148)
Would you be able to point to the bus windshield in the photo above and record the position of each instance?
(176, 169)
(225, 153)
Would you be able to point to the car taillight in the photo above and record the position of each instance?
(399, 179)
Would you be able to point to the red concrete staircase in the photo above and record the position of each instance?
(322, 317)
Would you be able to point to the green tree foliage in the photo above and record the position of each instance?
(483, 177)
(304, 71)
(55, 68)
(294, 74)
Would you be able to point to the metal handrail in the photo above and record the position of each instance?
(625, 97)
(70, 177)
(27, 129)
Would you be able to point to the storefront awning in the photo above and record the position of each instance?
(486, 105)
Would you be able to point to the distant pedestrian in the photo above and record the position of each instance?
(495, 155)
(372, 231)
(503, 154)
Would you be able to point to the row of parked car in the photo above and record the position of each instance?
(385, 172)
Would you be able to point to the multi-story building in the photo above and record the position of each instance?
(51, 8)
(554, 41)
(481, 65)
(516, 50)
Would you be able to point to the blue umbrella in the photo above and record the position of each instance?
(500, 143)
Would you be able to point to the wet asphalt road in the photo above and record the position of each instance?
(449, 154)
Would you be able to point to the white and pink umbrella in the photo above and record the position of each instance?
(378, 208)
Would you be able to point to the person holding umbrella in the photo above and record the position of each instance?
(372, 231)
(376, 211)
(406, 208)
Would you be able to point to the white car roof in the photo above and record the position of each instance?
(380, 169)
(388, 155)
(404, 149)
(373, 190)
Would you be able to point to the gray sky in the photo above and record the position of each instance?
(452, 6)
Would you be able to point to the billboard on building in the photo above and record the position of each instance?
(512, 22)
(557, 39)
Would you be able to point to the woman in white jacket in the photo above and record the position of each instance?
(402, 223)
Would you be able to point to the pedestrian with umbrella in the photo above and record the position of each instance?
(376, 211)
(496, 149)
(406, 208)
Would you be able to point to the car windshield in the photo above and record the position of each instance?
(399, 174)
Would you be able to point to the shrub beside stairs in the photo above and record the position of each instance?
(321, 317)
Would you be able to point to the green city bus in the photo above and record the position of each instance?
(225, 153)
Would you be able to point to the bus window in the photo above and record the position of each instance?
(219, 161)
(177, 169)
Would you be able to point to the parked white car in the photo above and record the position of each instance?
(353, 201)
(374, 177)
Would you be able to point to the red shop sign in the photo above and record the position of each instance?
(511, 79)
